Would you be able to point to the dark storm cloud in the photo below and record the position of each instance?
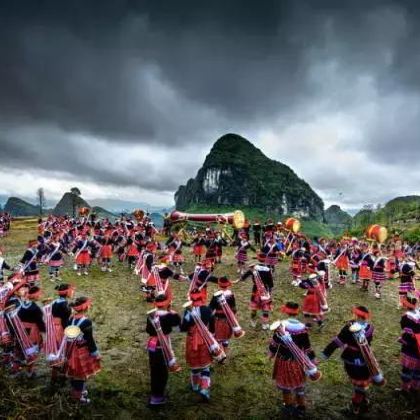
(52, 150)
(90, 72)
(167, 73)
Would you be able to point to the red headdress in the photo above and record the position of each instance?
(361, 312)
(65, 289)
(290, 308)
(162, 301)
(197, 297)
(223, 282)
(81, 304)
(34, 293)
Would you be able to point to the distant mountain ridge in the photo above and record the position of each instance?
(18, 207)
(400, 215)
(68, 203)
(124, 206)
(337, 219)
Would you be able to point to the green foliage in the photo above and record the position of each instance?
(313, 229)
(75, 191)
(101, 212)
(400, 215)
(412, 235)
(17, 207)
(69, 204)
(338, 220)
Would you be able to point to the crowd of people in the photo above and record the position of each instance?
(62, 330)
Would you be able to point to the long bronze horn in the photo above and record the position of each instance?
(236, 219)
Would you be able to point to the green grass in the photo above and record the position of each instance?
(241, 389)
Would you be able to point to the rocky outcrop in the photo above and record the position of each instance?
(69, 204)
(235, 173)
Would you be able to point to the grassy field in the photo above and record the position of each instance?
(241, 389)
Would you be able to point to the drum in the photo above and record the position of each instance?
(84, 211)
(138, 214)
(377, 233)
(292, 224)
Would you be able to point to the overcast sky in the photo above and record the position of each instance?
(124, 99)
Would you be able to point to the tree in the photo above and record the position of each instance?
(41, 200)
(75, 192)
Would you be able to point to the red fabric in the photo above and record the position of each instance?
(132, 251)
(106, 251)
(241, 257)
(5, 337)
(197, 354)
(343, 263)
(272, 259)
(169, 293)
(409, 362)
(311, 304)
(199, 250)
(398, 253)
(296, 268)
(80, 364)
(211, 254)
(365, 273)
(363, 383)
(83, 258)
(361, 314)
(178, 258)
(378, 276)
(55, 263)
(257, 304)
(58, 329)
(288, 374)
(392, 269)
(222, 329)
(289, 311)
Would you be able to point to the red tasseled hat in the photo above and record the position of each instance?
(162, 301)
(290, 308)
(65, 289)
(19, 286)
(81, 304)
(16, 277)
(261, 257)
(151, 246)
(197, 297)
(34, 293)
(361, 312)
(223, 282)
(207, 262)
(410, 302)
